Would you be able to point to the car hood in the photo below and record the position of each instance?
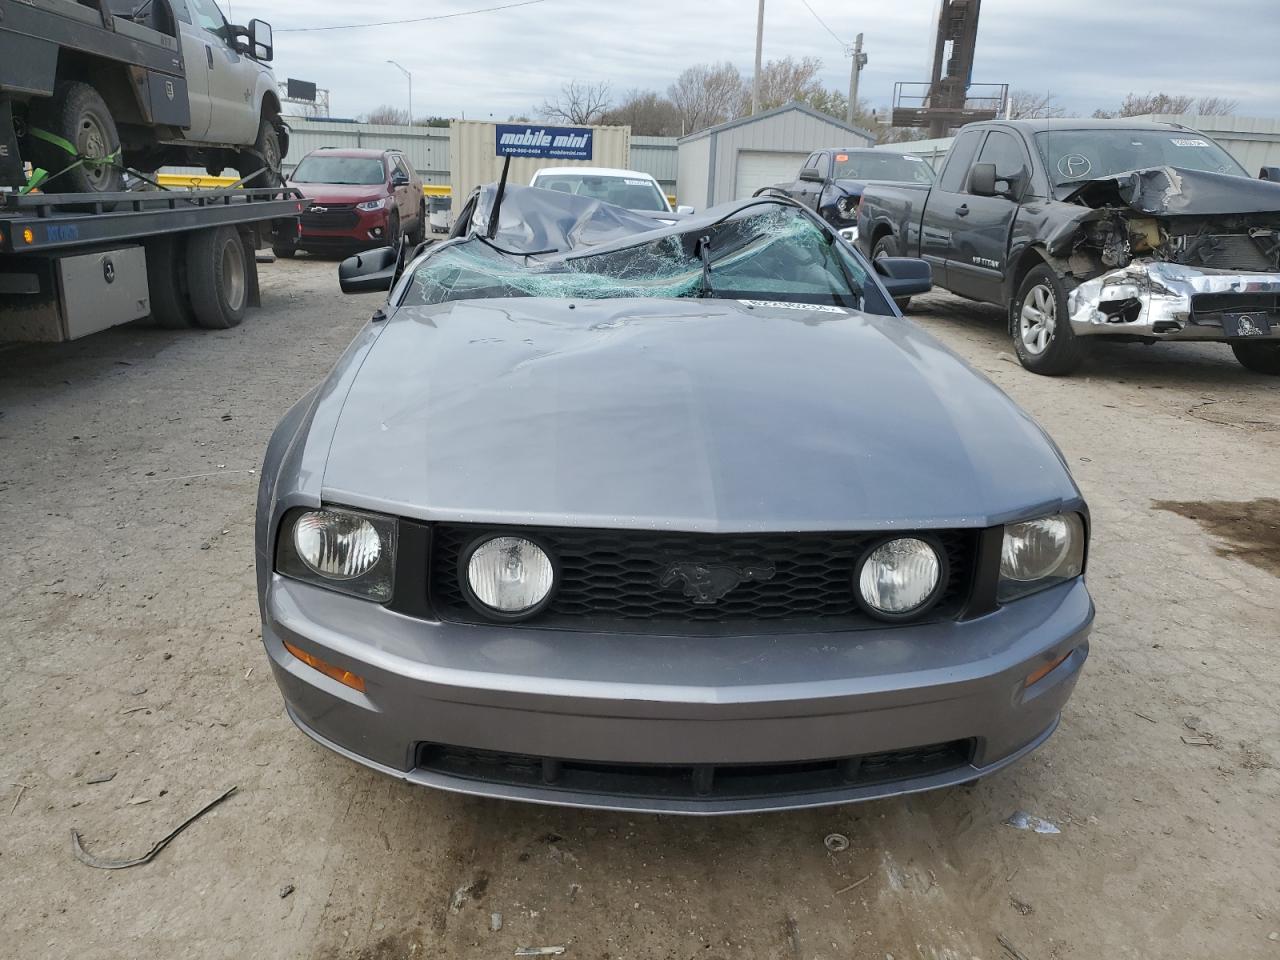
(1174, 191)
(702, 415)
(340, 192)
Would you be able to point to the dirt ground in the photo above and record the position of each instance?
(129, 633)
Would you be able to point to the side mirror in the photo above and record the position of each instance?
(684, 208)
(399, 178)
(904, 276)
(1269, 173)
(810, 175)
(982, 180)
(369, 271)
(260, 40)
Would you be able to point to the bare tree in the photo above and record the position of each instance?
(1216, 106)
(578, 103)
(387, 114)
(647, 113)
(1032, 105)
(1141, 104)
(787, 80)
(707, 94)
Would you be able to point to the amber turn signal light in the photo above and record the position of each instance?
(345, 677)
(1041, 672)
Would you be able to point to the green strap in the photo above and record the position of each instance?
(54, 139)
(39, 175)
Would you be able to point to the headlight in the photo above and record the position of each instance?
(372, 205)
(343, 550)
(507, 577)
(847, 207)
(899, 578)
(1039, 553)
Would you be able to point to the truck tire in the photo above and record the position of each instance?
(217, 277)
(887, 246)
(77, 114)
(282, 251)
(1042, 334)
(1259, 357)
(266, 153)
(167, 283)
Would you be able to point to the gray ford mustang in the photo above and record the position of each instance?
(684, 518)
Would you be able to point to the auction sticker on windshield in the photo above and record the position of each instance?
(1188, 142)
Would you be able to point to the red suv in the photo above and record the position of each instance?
(359, 199)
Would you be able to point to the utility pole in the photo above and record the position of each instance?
(755, 79)
(859, 61)
(409, 76)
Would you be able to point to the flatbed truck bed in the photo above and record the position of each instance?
(72, 264)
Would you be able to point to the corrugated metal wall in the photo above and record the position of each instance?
(427, 148)
(789, 131)
(473, 157)
(932, 150)
(656, 156)
(693, 172)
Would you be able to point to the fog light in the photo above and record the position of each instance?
(509, 577)
(899, 578)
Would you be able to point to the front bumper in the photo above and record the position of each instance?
(361, 229)
(644, 699)
(1169, 301)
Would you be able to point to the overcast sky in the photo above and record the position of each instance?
(1088, 52)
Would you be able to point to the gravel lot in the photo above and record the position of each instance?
(130, 641)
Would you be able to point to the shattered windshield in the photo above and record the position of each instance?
(882, 166)
(633, 193)
(764, 252)
(1072, 156)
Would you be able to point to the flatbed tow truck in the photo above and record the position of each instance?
(73, 264)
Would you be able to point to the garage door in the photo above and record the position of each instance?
(761, 168)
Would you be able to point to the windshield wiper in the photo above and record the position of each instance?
(703, 250)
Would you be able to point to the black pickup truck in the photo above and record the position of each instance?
(1137, 230)
(831, 181)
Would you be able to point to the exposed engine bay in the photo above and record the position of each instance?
(1167, 252)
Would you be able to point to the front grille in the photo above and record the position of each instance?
(1207, 308)
(616, 576)
(726, 781)
(333, 217)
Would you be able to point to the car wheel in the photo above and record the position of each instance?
(167, 283)
(1042, 334)
(393, 228)
(266, 153)
(419, 232)
(1259, 357)
(81, 123)
(284, 253)
(217, 277)
(887, 246)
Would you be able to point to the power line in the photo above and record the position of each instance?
(824, 23)
(390, 23)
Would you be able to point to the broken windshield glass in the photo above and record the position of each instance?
(768, 251)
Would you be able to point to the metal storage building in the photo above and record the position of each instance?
(734, 159)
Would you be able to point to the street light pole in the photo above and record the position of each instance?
(755, 79)
(859, 61)
(409, 76)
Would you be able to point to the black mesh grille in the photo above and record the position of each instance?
(1207, 308)
(330, 217)
(617, 575)
(705, 782)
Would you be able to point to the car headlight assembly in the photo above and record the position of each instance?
(506, 577)
(371, 205)
(847, 207)
(344, 550)
(1040, 553)
(900, 578)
